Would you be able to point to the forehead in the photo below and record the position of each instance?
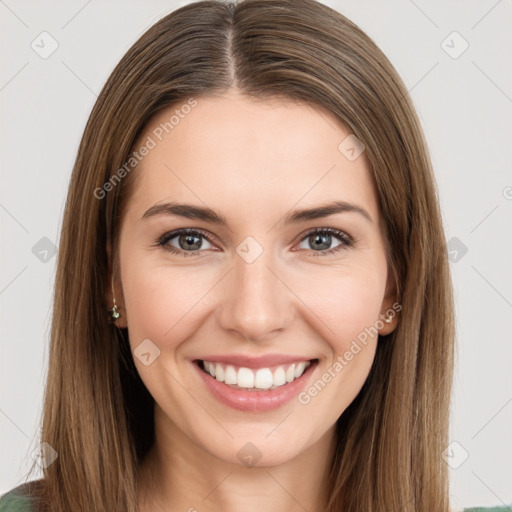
(256, 155)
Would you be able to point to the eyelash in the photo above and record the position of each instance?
(346, 240)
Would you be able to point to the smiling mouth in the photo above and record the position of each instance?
(260, 379)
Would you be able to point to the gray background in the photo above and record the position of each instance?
(464, 102)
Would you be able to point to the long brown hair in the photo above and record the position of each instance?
(97, 412)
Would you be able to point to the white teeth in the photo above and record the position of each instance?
(279, 376)
(260, 379)
(263, 379)
(245, 378)
(290, 373)
(219, 373)
(299, 370)
(230, 377)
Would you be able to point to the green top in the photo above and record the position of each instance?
(13, 502)
(16, 501)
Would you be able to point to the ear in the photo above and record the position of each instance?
(390, 307)
(114, 289)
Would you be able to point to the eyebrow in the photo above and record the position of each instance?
(189, 211)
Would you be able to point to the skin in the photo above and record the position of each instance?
(252, 162)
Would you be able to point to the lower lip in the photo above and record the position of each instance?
(256, 401)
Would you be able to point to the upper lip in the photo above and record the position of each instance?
(255, 362)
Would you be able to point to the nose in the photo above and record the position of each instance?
(256, 304)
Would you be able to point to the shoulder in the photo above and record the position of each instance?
(13, 501)
(20, 498)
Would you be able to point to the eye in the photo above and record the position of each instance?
(187, 240)
(323, 238)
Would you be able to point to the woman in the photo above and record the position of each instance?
(252, 305)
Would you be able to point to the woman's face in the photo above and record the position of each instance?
(252, 288)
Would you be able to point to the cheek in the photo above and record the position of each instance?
(346, 318)
(162, 303)
(159, 302)
(346, 301)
